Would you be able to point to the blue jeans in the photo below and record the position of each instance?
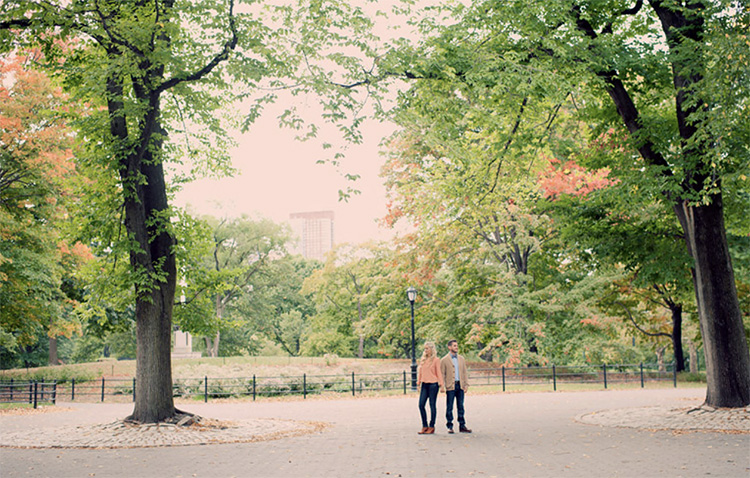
(428, 390)
(458, 394)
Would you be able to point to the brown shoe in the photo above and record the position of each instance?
(430, 431)
(463, 429)
(450, 430)
(423, 431)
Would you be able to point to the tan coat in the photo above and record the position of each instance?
(430, 373)
(449, 372)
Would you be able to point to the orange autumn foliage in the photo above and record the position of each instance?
(570, 178)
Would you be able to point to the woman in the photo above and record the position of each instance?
(429, 381)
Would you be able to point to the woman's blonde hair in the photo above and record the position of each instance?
(428, 352)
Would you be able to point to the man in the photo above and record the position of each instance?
(456, 380)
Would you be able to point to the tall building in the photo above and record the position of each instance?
(314, 231)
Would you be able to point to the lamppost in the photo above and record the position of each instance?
(411, 294)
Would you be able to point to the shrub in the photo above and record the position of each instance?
(49, 374)
(699, 377)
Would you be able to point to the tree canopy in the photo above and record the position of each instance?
(508, 83)
(541, 145)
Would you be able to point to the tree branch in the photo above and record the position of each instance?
(630, 316)
(229, 46)
(628, 11)
(111, 35)
(508, 143)
(623, 102)
(16, 23)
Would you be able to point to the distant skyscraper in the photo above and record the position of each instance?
(314, 231)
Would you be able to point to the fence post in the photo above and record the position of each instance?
(134, 389)
(604, 369)
(11, 389)
(205, 389)
(35, 391)
(73, 389)
(253, 387)
(404, 382)
(554, 378)
(674, 373)
(353, 389)
(31, 392)
(304, 385)
(54, 392)
(503, 378)
(102, 388)
(641, 374)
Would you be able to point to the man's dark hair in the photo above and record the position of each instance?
(451, 341)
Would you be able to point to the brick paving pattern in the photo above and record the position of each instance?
(628, 433)
(736, 420)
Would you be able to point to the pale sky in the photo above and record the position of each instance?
(278, 175)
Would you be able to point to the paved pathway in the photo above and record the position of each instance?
(635, 433)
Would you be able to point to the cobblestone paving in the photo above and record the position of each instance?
(119, 434)
(534, 435)
(704, 418)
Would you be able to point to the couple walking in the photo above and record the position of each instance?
(448, 374)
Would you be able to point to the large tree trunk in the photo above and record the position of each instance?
(724, 343)
(727, 358)
(151, 258)
(137, 150)
(153, 393)
(153, 310)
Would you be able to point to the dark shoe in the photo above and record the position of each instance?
(463, 429)
(430, 431)
(423, 431)
(450, 430)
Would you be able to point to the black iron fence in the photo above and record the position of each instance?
(556, 376)
(205, 388)
(28, 392)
